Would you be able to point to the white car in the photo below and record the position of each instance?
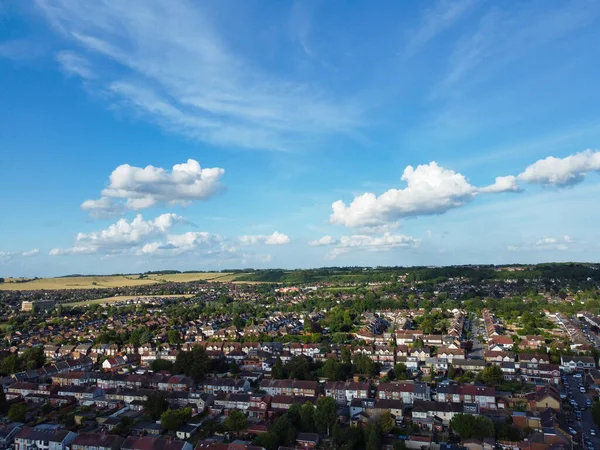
(593, 432)
(577, 375)
(572, 431)
(582, 390)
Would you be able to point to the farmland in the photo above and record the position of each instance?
(113, 281)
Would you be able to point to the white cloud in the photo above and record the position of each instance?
(502, 184)
(276, 238)
(187, 78)
(74, 64)
(325, 240)
(435, 21)
(121, 236)
(103, 208)
(431, 189)
(9, 256)
(562, 172)
(145, 187)
(561, 243)
(177, 244)
(370, 243)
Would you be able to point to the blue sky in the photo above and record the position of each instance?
(147, 135)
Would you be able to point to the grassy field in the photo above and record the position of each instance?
(76, 283)
(186, 277)
(114, 281)
(122, 298)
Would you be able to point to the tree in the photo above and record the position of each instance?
(373, 438)
(10, 365)
(326, 414)
(399, 445)
(333, 370)
(294, 414)
(194, 363)
(468, 426)
(451, 371)
(173, 337)
(596, 413)
(363, 364)
(400, 372)
(298, 368)
(277, 371)
(492, 376)
(172, 419)
(155, 405)
(17, 412)
(387, 422)
(159, 365)
(346, 355)
(307, 417)
(235, 421)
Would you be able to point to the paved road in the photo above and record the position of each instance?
(586, 423)
(478, 346)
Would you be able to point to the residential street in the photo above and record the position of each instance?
(586, 423)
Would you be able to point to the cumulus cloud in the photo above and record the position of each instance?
(430, 189)
(561, 243)
(103, 208)
(502, 184)
(192, 241)
(138, 188)
(561, 172)
(276, 238)
(370, 243)
(325, 240)
(120, 236)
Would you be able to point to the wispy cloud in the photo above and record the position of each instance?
(74, 64)
(175, 69)
(437, 19)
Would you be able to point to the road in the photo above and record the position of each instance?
(478, 347)
(586, 423)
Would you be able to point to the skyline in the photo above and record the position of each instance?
(296, 135)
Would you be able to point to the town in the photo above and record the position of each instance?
(463, 357)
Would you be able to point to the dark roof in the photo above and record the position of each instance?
(98, 440)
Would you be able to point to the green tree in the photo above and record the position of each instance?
(159, 365)
(373, 438)
(333, 370)
(399, 445)
(235, 421)
(17, 412)
(387, 422)
(307, 417)
(596, 413)
(400, 372)
(492, 376)
(468, 426)
(277, 371)
(173, 337)
(325, 414)
(10, 365)
(155, 405)
(172, 419)
(346, 355)
(194, 363)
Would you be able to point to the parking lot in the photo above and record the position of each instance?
(582, 423)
